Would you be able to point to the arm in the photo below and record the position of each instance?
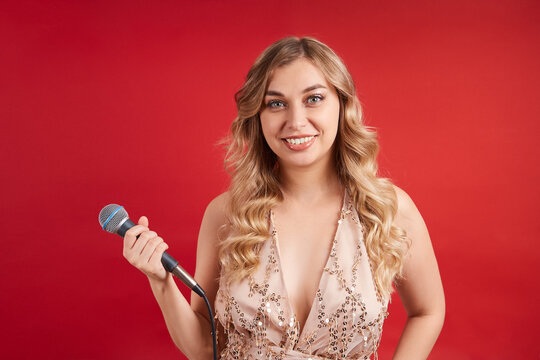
(188, 325)
(420, 290)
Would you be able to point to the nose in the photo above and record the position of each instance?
(296, 117)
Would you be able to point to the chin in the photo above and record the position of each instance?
(299, 163)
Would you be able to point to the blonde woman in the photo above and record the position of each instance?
(300, 254)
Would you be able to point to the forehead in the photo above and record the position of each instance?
(297, 75)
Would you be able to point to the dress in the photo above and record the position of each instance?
(346, 317)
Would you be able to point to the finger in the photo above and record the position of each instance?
(158, 253)
(150, 247)
(141, 243)
(131, 235)
(143, 220)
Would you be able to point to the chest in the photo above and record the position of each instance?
(347, 304)
(304, 240)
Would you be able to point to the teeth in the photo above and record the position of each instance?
(299, 141)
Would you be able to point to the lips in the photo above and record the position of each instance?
(299, 142)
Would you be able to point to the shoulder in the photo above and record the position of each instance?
(406, 209)
(408, 216)
(215, 215)
(420, 286)
(207, 268)
(212, 229)
(218, 205)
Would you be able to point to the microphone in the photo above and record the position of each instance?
(115, 219)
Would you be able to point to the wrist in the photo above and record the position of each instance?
(160, 285)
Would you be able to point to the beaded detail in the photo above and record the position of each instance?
(346, 318)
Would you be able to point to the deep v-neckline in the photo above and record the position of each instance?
(326, 265)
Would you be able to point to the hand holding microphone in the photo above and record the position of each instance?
(144, 248)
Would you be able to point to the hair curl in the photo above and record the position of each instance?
(255, 186)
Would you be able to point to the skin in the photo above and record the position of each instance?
(307, 218)
(305, 221)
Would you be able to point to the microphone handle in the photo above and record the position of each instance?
(169, 263)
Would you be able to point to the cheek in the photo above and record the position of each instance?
(270, 127)
(335, 117)
(268, 130)
(331, 120)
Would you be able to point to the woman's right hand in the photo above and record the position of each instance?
(145, 251)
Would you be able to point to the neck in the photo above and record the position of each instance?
(309, 183)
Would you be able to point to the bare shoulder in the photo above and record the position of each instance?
(420, 289)
(215, 217)
(407, 213)
(216, 212)
(207, 264)
(409, 219)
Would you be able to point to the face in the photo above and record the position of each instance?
(300, 115)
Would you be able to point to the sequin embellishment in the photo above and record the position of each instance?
(347, 314)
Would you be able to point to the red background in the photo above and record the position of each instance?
(123, 102)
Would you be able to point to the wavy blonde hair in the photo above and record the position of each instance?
(255, 185)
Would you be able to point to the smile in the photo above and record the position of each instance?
(299, 140)
(299, 143)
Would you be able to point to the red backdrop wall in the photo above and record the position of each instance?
(123, 102)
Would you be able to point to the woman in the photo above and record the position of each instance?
(299, 256)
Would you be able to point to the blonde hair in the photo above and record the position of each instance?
(255, 186)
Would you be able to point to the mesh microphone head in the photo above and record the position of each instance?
(111, 217)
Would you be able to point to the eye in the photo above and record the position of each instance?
(274, 104)
(315, 99)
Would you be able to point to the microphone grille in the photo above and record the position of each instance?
(111, 216)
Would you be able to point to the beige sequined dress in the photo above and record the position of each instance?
(346, 317)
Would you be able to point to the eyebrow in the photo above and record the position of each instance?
(308, 89)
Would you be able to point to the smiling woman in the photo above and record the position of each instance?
(301, 116)
(300, 254)
(303, 163)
